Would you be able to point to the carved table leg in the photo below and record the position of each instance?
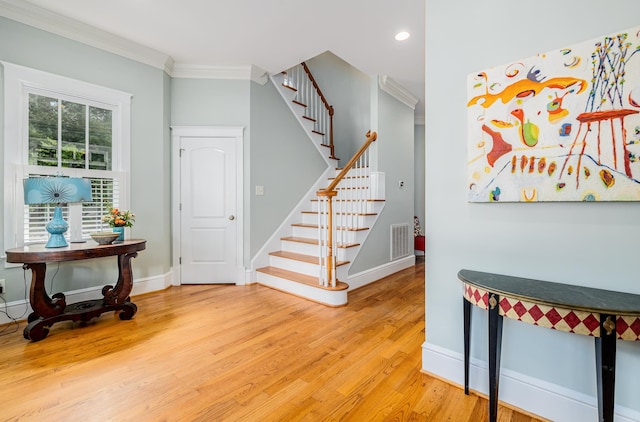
(43, 306)
(41, 303)
(466, 309)
(495, 346)
(120, 293)
(606, 367)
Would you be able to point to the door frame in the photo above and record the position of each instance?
(177, 134)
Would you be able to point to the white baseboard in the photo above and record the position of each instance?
(20, 309)
(539, 397)
(374, 274)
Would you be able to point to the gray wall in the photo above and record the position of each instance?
(26, 46)
(394, 122)
(590, 244)
(283, 160)
(347, 90)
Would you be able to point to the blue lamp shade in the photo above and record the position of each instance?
(56, 190)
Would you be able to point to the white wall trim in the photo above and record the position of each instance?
(374, 274)
(20, 309)
(195, 71)
(397, 91)
(533, 395)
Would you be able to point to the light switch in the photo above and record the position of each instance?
(259, 190)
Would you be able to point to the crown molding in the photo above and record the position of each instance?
(397, 91)
(195, 71)
(37, 17)
(54, 23)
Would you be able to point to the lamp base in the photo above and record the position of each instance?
(57, 227)
(56, 241)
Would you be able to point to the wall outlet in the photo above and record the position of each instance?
(3, 287)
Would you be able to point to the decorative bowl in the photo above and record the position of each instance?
(104, 238)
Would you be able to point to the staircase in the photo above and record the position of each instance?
(312, 261)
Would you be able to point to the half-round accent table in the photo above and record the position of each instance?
(603, 314)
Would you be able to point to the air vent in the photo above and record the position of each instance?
(400, 241)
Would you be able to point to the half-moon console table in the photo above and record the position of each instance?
(603, 314)
(49, 310)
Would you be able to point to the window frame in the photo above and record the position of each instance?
(19, 82)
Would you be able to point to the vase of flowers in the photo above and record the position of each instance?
(118, 220)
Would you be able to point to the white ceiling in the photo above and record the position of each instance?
(270, 34)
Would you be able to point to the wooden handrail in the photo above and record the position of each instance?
(371, 137)
(318, 90)
(329, 107)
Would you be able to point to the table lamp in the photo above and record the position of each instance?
(56, 190)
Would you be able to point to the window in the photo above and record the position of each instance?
(61, 126)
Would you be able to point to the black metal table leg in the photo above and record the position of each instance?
(606, 367)
(466, 308)
(495, 346)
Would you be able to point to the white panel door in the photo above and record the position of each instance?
(208, 210)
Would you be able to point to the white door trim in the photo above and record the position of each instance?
(177, 133)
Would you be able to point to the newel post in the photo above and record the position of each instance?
(329, 194)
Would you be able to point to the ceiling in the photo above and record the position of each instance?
(270, 34)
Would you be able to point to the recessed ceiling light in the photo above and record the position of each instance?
(403, 35)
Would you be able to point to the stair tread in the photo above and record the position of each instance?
(353, 200)
(350, 177)
(300, 278)
(315, 226)
(315, 241)
(290, 87)
(302, 257)
(362, 214)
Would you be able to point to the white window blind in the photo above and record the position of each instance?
(105, 192)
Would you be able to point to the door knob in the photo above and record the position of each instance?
(232, 217)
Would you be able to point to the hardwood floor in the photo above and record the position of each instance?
(239, 353)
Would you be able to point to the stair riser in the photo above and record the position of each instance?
(308, 124)
(342, 221)
(356, 172)
(341, 235)
(305, 267)
(328, 297)
(297, 247)
(342, 254)
(294, 265)
(363, 207)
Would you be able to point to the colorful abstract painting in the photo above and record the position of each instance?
(560, 126)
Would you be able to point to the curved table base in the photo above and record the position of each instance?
(38, 327)
(49, 310)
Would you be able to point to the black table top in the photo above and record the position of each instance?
(555, 294)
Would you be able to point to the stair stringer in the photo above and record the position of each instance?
(288, 95)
